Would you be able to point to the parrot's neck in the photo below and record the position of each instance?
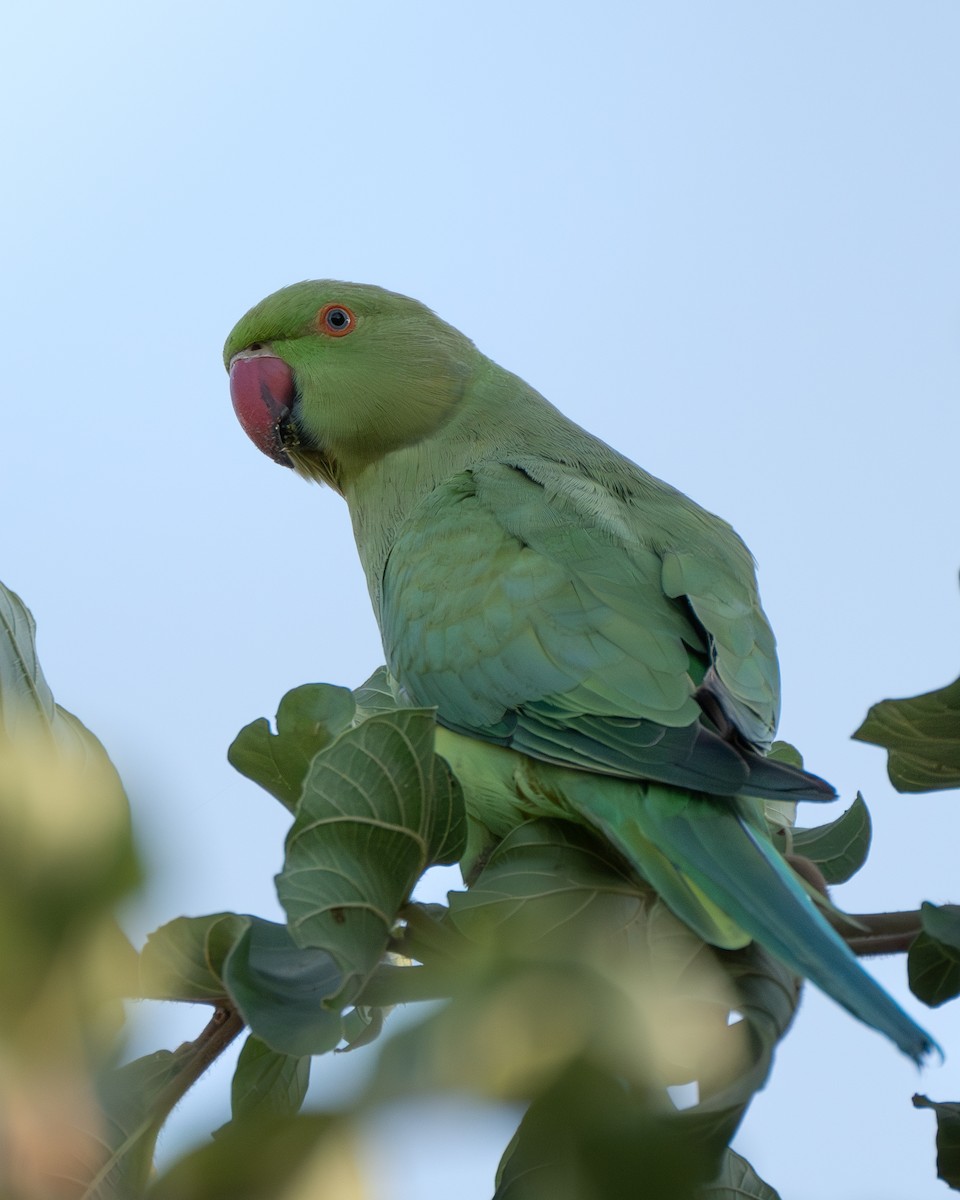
(382, 495)
(492, 421)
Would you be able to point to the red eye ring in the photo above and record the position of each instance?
(336, 320)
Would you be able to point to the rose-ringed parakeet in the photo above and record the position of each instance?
(592, 639)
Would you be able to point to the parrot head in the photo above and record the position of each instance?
(327, 377)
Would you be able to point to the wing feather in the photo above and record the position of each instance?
(551, 615)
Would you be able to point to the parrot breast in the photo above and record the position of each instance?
(262, 389)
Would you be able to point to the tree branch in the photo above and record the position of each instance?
(880, 933)
(225, 1024)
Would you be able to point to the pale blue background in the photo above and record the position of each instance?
(723, 235)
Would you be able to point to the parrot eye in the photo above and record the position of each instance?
(335, 320)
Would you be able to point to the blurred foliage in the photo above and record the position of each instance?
(567, 983)
(66, 858)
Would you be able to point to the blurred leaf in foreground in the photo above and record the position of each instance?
(66, 857)
(737, 1180)
(589, 1137)
(577, 970)
(307, 1157)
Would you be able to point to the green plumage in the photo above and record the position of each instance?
(593, 640)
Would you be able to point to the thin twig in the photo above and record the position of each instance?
(881, 943)
(879, 933)
(225, 1024)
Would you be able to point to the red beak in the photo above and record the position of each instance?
(263, 391)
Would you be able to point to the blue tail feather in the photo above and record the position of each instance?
(712, 843)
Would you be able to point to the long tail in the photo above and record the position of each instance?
(708, 863)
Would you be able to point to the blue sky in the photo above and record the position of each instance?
(723, 237)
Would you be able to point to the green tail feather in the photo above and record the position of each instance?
(721, 876)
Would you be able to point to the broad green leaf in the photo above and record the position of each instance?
(782, 814)
(26, 701)
(65, 841)
(948, 1139)
(943, 923)
(27, 708)
(66, 857)
(183, 960)
(922, 737)
(269, 1158)
(588, 1136)
(933, 961)
(840, 847)
(361, 1026)
(549, 887)
(737, 1180)
(575, 961)
(308, 719)
(786, 752)
(132, 1112)
(378, 808)
(266, 1083)
(447, 818)
(768, 996)
(376, 696)
(280, 989)
(550, 892)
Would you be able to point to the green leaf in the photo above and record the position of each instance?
(768, 997)
(25, 697)
(737, 1180)
(361, 1026)
(308, 719)
(576, 961)
(66, 851)
(588, 1136)
(840, 847)
(942, 922)
(922, 737)
(786, 752)
(281, 989)
(183, 960)
(948, 1139)
(27, 707)
(550, 887)
(376, 696)
(378, 808)
(933, 961)
(132, 1113)
(268, 1159)
(266, 1083)
(278, 987)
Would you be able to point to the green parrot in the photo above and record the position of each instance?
(592, 639)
